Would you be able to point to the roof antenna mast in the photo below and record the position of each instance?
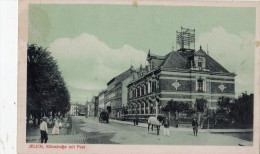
(207, 50)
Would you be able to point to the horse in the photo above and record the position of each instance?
(155, 121)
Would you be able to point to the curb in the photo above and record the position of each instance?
(189, 129)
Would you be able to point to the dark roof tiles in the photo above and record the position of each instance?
(180, 60)
(121, 77)
(175, 60)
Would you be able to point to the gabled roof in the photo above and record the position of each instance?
(175, 61)
(214, 66)
(200, 52)
(181, 60)
(156, 60)
(121, 77)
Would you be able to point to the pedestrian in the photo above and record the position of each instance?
(68, 128)
(70, 123)
(136, 119)
(166, 124)
(56, 129)
(60, 123)
(44, 130)
(195, 126)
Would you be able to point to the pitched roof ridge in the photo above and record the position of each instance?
(171, 55)
(122, 75)
(200, 51)
(166, 57)
(217, 63)
(157, 56)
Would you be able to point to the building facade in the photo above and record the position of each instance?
(101, 101)
(183, 75)
(74, 110)
(94, 106)
(116, 93)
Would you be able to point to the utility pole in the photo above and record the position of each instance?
(156, 108)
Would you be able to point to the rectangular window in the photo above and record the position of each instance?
(200, 85)
(200, 65)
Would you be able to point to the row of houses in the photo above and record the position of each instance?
(182, 75)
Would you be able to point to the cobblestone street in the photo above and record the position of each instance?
(90, 131)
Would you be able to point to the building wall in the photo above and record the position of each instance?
(180, 86)
(125, 90)
(184, 87)
(73, 109)
(101, 102)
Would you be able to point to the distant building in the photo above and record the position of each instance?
(77, 110)
(88, 105)
(93, 106)
(183, 75)
(74, 109)
(116, 93)
(101, 101)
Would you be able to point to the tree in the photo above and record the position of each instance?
(243, 109)
(46, 88)
(239, 111)
(174, 107)
(201, 106)
(223, 110)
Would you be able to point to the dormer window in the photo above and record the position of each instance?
(200, 60)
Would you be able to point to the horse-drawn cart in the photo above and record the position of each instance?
(104, 116)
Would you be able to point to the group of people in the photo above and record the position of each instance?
(166, 124)
(56, 128)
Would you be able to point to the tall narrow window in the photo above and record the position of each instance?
(149, 87)
(200, 63)
(200, 85)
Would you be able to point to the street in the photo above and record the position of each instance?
(90, 131)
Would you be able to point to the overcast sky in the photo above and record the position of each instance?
(94, 43)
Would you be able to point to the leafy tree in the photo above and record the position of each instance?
(174, 107)
(223, 110)
(190, 111)
(243, 109)
(46, 88)
(201, 104)
(240, 111)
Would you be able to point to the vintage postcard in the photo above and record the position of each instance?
(138, 77)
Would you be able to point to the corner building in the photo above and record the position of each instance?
(183, 75)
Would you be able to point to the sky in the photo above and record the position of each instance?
(94, 43)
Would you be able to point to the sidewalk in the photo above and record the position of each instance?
(187, 129)
(33, 135)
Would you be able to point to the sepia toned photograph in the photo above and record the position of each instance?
(133, 74)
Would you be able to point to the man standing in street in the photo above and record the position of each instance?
(136, 119)
(166, 125)
(44, 130)
(195, 126)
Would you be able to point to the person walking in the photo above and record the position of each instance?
(166, 125)
(68, 128)
(56, 129)
(136, 119)
(195, 126)
(44, 130)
